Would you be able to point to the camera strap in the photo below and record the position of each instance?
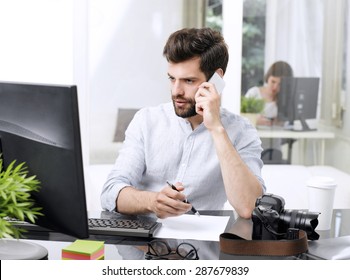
(235, 245)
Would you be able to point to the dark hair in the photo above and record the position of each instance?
(279, 69)
(205, 43)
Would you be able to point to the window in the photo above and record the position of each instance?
(253, 43)
(213, 18)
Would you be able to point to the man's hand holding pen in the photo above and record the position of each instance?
(186, 201)
(170, 202)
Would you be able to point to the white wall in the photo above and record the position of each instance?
(36, 41)
(126, 66)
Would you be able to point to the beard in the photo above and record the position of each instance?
(187, 110)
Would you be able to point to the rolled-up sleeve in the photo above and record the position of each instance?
(248, 145)
(129, 165)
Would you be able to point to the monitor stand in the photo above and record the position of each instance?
(13, 249)
(304, 126)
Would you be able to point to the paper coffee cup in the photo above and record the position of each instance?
(321, 192)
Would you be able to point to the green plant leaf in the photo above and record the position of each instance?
(16, 188)
(252, 105)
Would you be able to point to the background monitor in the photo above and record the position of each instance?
(298, 99)
(39, 125)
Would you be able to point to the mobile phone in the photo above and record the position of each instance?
(218, 82)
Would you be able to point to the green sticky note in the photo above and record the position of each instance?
(84, 249)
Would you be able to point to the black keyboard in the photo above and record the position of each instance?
(123, 227)
(113, 226)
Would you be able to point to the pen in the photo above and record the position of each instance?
(192, 209)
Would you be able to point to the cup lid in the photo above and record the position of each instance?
(321, 182)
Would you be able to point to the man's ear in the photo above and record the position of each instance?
(220, 72)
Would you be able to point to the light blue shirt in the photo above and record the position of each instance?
(159, 146)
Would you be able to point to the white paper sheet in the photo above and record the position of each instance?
(187, 226)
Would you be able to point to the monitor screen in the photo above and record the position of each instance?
(39, 125)
(298, 99)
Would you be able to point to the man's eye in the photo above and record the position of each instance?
(189, 81)
(171, 79)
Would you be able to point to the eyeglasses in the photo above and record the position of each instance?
(160, 250)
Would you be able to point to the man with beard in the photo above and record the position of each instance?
(209, 154)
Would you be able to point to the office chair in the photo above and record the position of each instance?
(273, 156)
(125, 116)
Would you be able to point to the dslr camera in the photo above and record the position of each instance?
(272, 222)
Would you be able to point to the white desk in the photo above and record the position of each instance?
(289, 181)
(319, 135)
(55, 249)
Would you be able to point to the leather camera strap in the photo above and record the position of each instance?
(233, 244)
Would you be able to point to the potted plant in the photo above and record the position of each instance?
(15, 198)
(251, 107)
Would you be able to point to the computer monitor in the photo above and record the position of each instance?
(39, 125)
(297, 100)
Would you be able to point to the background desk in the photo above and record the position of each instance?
(128, 248)
(319, 135)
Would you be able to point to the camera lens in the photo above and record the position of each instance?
(306, 221)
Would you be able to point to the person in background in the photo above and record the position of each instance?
(269, 91)
(209, 154)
